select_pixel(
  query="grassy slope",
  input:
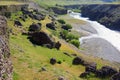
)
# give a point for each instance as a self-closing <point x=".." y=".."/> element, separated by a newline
<point x="28" y="59"/>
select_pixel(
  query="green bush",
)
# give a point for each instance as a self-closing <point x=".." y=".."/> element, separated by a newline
<point x="64" y="34"/>
<point x="75" y="43"/>
<point x="67" y="27"/>
<point x="61" y="21"/>
<point x="71" y="36"/>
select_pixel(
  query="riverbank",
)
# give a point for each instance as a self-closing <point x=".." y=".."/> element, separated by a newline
<point x="97" y="41"/>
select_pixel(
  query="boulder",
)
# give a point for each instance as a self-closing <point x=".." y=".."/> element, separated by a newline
<point x="57" y="45"/>
<point x="53" y="61"/>
<point x="84" y="74"/>
<point x="91" y="67"/>
<point x="41" y="38"/>
<point x="39" y="17"/>
<point x="50" y="25"/>
<point x="115" y="76"/>
<point x="35" y="27"/>
<point x="17" y="23"/>
<point x="105" y="71"/>
<point x="77" y="61"/>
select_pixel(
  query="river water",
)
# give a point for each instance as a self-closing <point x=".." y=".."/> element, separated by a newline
<point x="111" y="40"/>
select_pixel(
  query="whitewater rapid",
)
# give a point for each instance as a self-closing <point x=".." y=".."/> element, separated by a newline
<point x="112" y="37"/>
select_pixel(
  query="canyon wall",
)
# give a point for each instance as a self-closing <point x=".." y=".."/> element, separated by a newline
<point x="106" y="14"/>
<point x="5" y="63"/>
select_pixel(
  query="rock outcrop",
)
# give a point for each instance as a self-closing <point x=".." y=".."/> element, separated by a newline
<point x="5" y="63"/>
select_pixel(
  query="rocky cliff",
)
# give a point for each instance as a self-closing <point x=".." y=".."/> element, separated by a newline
<point x="5" y="63"/>
<point x="106" y="14"/>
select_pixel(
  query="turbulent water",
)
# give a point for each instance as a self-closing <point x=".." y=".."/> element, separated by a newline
<point x="108" y="35"/>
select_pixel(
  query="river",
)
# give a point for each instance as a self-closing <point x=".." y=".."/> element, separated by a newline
<point x="105" y="43"/>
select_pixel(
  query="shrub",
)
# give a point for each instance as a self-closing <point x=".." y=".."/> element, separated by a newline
<point x="71" y="36"/>
<point x="61" y="21"/>
<point x="64" y="34"/>
<point x="67" y="27"/>
<point x="75" y="43"/>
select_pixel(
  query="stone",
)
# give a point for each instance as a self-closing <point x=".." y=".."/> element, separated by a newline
<point x="91" y="67"/>
<point x="53" y="61"/>
<point x="41" y="38"/>
<point x="84" y="74"/>
<point x="17" y="23"/>
<point x="77" y="61"/>
<point x="57" y="45"/>
<point x="61" y="78"/>
<point x="43" y="69"/>
<point x="50" y="25"/>
<point x="35" y="27"/>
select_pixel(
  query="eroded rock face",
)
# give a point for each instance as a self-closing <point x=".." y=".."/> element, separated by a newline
<point x="5" y="63"/>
